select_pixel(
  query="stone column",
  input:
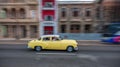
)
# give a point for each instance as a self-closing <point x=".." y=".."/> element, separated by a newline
<point x="82" y="29"/>
<point x="10" y="31"/>
<point x="27" y="12"/>
<point x="28" y="31"/>
<point x="17" y="13"/>
<point x="1" y="32"/>
<point x="68" y="27"/>
<point x="18" y="35"/>
<point x="37" y="34"/>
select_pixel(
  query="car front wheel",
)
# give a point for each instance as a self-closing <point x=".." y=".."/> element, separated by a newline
<point x="70" y="49"/>
<point x="38" y="48"/>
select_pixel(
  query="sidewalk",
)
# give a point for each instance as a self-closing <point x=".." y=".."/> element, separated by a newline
<point x="25" y="41"/>
<point x="13" y="41"/>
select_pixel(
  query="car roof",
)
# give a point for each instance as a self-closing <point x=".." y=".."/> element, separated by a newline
<point x="50" y="36"/>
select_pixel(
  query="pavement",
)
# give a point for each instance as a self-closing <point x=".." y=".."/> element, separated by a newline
<point x="25" y="41"/>
<point x="13" y="41"/>
<point x="80" y="42"/>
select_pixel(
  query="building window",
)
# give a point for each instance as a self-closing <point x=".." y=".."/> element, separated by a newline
<point x="22" y="13"/>
<point x="98" y="12"/>
<point x="63" y="28"/>
<point x="75" y="28"/>
<point x="13" y="13"/>
<point x="33" y="14"/>
<point x="33" y="31"/>
<point x="24" y="31"/>
<point x="63" y="12"/>
<point x="3" y="13"/>
<point x="48" y="18"/>
<point x="75" y="12"/>
<point x="87" y="28"/>
<point x="115" y="13"/>
<point x="88" y="12"/>
<point x="48" y="4"/>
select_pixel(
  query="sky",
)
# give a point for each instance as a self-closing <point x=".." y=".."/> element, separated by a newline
<point x="76" y="0"/>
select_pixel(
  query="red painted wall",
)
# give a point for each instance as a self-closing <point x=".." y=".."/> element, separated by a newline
<point x="49" y="28"/>
<point x="48" y="12"/>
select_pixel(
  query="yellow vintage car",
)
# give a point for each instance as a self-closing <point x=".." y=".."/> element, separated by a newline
<point x="53" y="42"/>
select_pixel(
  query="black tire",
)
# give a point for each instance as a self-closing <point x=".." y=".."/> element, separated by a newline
<point x="70" y="49"/>
<point x="38" y="48"/>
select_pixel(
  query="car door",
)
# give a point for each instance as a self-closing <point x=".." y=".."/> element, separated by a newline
<point x="50" y="44"/>
<point x="46" y="41"/>
<point x="56" y="43"/>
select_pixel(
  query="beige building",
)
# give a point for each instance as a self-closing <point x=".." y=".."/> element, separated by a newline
<point x="19" y="18"/>
<point x="76" y="17"/>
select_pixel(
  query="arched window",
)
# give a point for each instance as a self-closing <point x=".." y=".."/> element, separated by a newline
<point x="22" y="13"/>
<point x="13" y="13"/>
<point x="88" y="12"/>
<point x="63" y="12"/>
<point x="75" y="12"/>
<point x="3" y="13"/>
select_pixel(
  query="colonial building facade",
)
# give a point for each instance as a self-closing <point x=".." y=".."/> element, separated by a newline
<point x="76" y="17"/>
<point x="20" y="18"/>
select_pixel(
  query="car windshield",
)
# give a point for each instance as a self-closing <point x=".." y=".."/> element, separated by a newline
<point x="39" y="38"/>
<point x="117" y="33"/>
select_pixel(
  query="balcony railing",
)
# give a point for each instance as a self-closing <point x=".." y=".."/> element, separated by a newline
<point x="31" y="1"/>
<point x="18" y="20"/>
<point x="10" y="1"/>
<point x="4" y="1"/>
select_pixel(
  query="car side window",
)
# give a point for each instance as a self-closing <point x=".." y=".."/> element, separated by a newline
<point x="46" y="39"/>
<point x="39" y="38"/>
<point x="55" y="39"/>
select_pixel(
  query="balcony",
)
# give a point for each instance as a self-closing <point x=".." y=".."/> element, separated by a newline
<point x="48" y="7"/>
<point x="18" y="20"/>
<point x="31" y="2"/>
<point x="9" y="2"/>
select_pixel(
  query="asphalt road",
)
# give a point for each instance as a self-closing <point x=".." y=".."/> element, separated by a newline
<point x="87" y="56"/>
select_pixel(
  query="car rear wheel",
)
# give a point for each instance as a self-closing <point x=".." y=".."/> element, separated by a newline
<point x="38" y="48"/>
<point x="70" y="49"/>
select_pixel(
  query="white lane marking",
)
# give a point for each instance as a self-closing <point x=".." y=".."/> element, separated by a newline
<point x="70" y="54"/>
<point x="91" y="57"/>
